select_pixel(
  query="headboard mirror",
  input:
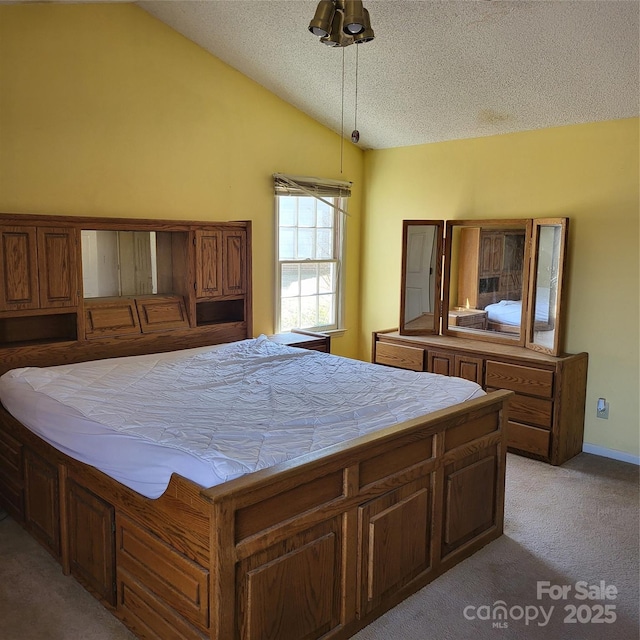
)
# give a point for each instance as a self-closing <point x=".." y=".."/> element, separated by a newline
<point x="501" y="280"/>
<point x="125" y="263"/>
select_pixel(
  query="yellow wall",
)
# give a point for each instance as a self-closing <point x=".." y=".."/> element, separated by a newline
<point x="106" y="111"/>
<point x="588" y="173"/>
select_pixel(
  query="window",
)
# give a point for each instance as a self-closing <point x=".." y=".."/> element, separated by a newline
<point x="309" y="236"/>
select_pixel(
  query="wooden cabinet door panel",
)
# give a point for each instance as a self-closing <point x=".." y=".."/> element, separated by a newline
<point x="57" y="266"/>
<point x="469" y="500"/>
<point x="469" y="368"/>
<point x="42" y="508"/>
<point x="442" y="363"/>
<point x="113" y="317"/>
<point x="235" y="262"/>
<point x="300" y="574"/>
<point x="160" y="313"/>
<point x="18" y="268"/>
<point x="486" y="255"/>
<point x="491" y="251"/>
<point x="395" y="540"/>
<point x="11" y="476"/>
<point x="208" y="263"/>
<point x="92" y="541"/>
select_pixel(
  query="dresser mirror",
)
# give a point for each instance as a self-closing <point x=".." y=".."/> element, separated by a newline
<point x="549" y="246"/>
<point x="422" y="274"/>
<point x="125" y="263"/>
<point x="501" y="281"/>
<point x="487" y="283"/>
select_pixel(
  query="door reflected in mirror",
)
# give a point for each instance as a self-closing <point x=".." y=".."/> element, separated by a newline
<point x="421" y="274"/>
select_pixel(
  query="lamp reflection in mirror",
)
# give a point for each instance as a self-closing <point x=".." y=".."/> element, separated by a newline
<point x="340" y="23"/>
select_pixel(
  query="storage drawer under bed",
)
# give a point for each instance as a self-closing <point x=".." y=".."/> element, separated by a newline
<point x="145" y="564"/>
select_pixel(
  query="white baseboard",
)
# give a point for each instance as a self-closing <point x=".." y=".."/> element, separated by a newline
<point x="610" y="453"/>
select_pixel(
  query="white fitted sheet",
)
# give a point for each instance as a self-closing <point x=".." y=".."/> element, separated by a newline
<point x="510" y="311"/>
<point x="215" y="413"/>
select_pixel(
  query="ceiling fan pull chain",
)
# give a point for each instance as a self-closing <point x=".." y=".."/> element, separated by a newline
<point x="355" y="134"/>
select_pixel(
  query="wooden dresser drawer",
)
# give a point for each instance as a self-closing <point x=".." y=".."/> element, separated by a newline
<point x="400" y="355"/>
<point x="529" y="439"/>
<point x="536" y="411"/>
<point x="527" y="380"/>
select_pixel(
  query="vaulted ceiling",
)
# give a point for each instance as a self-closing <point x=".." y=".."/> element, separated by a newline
<point x="437" y="70"/>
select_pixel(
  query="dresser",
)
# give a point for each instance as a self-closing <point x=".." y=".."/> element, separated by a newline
<point x="546" y="415"/>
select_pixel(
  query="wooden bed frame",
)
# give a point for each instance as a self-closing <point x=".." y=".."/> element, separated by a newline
<point x="316" y="547"/>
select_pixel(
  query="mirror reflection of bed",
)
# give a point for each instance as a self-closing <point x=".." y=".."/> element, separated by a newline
<point x="491" y="279"/>
<point x="490" y="275"/>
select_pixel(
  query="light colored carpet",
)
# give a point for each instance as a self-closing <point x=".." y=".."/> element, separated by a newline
<point x="578" y="522"/>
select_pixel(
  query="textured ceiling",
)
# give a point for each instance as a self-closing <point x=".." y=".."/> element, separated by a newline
<point x="436" y="70"/>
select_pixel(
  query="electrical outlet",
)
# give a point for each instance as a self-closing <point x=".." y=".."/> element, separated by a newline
<point x="602" y="409"/>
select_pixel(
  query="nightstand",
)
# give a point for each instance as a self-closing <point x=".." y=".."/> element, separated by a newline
<point x="468" y="318"/>
<point x="303" y="340"/>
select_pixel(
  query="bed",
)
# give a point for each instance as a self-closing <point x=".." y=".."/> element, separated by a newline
<point x="314" y="542"/>
<point x="506" y="315"/>
<point x="218" y="412"/>
<point x="290" y="544"/>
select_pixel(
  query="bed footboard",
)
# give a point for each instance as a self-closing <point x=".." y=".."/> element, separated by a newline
<point x="323" y="547"/>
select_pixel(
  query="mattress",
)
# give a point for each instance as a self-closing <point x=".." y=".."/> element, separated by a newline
<point x="510" y="311"/>
<point x="506" y="312"/>
<point x="215" y="413"/>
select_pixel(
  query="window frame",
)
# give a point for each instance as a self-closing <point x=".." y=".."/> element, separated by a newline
<point x="338" y="203"/>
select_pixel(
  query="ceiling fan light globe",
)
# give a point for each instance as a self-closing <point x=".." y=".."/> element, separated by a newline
<point x="353" y="28"/>
<point x="320" y="25"/>
<point x="329" y="43"/>
<point x="317" y="31"/>
<point x="354" y="19"/>
<point x="366" y="36"/>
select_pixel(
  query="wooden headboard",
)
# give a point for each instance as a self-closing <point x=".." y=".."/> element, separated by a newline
<point x="189" y="286"/>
